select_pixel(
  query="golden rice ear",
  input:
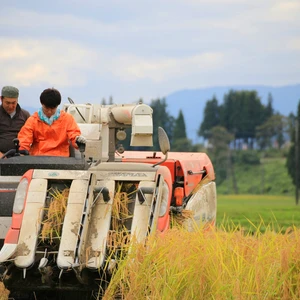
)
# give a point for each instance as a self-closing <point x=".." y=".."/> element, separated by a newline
<point x="119" y="236"/>
<point x="54" y="215"/>
<point x="179" y="218"/>
<point x="120" y="209"/>
<point x="4" y="293"/>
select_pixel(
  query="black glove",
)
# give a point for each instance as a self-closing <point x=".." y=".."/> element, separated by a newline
<point x="80" y="139"/>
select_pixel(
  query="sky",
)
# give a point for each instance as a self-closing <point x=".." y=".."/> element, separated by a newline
<point x="128" y="50"/>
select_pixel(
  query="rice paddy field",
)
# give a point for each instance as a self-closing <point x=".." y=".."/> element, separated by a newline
<point x="258" y="212"/>
<point x="253" y="252"/>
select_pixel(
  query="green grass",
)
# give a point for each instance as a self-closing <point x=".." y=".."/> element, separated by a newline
<point x="269" y="177"/>
<point x="257" y="212"/>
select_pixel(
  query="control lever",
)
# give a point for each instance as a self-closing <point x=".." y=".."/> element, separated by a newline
<point x="18" y="151"/>
<point x="81" y="147"/>
<point x="17" y="146"/>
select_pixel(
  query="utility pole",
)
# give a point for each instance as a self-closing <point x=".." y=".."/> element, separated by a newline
<point x="297" y="159"/>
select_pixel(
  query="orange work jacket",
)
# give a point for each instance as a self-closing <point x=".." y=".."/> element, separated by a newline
<point x="40" y="138"/>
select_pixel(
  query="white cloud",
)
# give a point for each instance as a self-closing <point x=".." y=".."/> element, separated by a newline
<point x="132" y="68"/>
<point x="30" y="62"/>
<point x="65" y="63"/>
<point x="135" y="46"/>
<point x="286" y="11"/>
<point x="294" y="44"/>
<point x="55" y="24"/>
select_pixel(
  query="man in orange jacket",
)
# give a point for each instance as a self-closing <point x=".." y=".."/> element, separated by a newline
<point x="49" y="131"/>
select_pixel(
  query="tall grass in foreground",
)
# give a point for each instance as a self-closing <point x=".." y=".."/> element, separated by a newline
<point x="215" y="264"/>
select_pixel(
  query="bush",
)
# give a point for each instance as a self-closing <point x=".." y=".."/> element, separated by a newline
<point x="274" y="153"/>
<point x="250" y="157"/>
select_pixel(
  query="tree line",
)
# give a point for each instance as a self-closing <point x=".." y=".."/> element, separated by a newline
<point x="241" y="118"/>
<point x="241" y="121"/>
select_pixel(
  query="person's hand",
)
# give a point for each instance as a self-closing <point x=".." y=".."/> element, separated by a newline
<point x="81" y="139"/>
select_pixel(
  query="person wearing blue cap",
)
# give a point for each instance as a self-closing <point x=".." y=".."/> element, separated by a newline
<point x="12" y="118"/>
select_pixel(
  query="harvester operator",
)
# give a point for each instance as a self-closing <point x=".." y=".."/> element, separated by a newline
<point x="49" y="131"/>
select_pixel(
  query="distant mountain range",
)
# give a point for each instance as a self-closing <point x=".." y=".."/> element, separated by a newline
<point x="192" y="102"/>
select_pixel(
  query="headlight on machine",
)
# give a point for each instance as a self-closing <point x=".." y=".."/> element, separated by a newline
<point x="20" y="196"/>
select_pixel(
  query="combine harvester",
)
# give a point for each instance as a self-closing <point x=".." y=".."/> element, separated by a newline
<point x="63" y="232"/>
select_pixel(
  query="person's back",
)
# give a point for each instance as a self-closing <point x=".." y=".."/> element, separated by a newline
<point x="12" y="118"/>
<point x="50" y="131"/>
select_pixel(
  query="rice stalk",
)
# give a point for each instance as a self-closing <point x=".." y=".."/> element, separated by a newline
<point x="120" y="207"/>
<point x="119" y="236"/>
<point x="4" y="293"/>
<point x="217" y="264"/>
<point x="55" y="214"/>
<point x="178" y="219"/>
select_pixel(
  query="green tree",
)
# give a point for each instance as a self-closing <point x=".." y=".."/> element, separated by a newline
<point x="269" y="108"/>
<point x="241" y="113"/>
<point x="180" y="142"/>
<point x="179" y="131"/>
<point x="211" y="117"/>
<point x="273" y="128"/>
<point x="219" y="152"/>
<point x="291" y="162"/>
<point x="291" y="120"/>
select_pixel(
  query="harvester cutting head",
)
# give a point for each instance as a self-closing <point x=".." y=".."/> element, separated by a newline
<point x="69" y="225"/>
